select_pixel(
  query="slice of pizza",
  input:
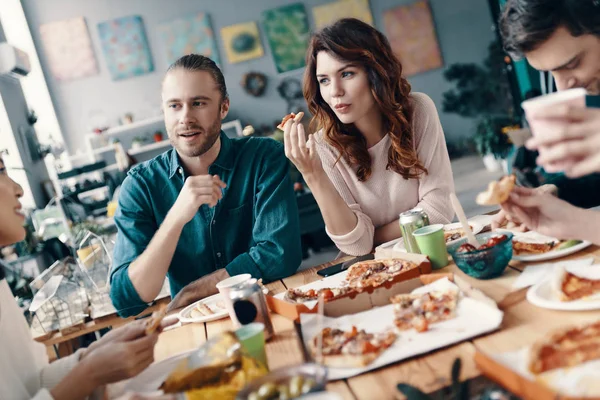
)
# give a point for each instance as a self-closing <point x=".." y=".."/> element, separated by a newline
<point x="532" y="248"/>
<point x="295" y="117"/>
<point x="374" y="273"/>
<point x="351" y="349"/>
<point x="153" y="322"/>
<point x="454" y="234"/>
<point x="572" y="287"/>
<point x="329" y="294"/>
<point x="201" y="310"/>
<point x="566" y="347"/>
<point x="497" y="191"/>
<point x="418" y="311"/>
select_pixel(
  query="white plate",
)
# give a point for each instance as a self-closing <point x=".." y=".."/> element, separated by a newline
<point x="476" y="226"/>
<point x="211" y="302"/>
<point x="551" y="255"/>
<point x="542" y="295"/>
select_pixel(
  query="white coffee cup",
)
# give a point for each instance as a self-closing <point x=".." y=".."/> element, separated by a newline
<point x="224" y="288"/>
<point x="574" y="97"/>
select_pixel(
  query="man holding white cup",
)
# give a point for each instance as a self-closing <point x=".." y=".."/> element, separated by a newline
<point x="563" y="37"/>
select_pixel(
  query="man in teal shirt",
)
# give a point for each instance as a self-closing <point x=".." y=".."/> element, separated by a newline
<point x="210" y="208"/>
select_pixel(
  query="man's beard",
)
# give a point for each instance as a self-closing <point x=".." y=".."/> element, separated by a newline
<point x="210" y="137"/>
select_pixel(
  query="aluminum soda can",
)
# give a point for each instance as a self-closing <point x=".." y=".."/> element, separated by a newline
<point x="249" y="305"/>
<point x="410" y="221"/>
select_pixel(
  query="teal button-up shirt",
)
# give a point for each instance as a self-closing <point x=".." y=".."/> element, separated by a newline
<point x="253" y="229"/>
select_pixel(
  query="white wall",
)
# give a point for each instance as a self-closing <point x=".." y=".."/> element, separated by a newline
<point x="463" y="27"/>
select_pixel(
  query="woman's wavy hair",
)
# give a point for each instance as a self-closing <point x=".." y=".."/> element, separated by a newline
<point x="354" y="41"/>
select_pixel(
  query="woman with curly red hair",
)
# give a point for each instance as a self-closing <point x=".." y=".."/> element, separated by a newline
<point x="379" y="149"/>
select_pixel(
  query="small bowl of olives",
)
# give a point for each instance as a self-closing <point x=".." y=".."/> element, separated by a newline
<point x="286" y="383"/>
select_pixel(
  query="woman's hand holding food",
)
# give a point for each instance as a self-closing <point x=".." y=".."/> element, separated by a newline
<point x="302" y="153"/>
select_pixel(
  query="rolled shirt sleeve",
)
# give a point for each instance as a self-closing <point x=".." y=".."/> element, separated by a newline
<point x="136" y="227"/>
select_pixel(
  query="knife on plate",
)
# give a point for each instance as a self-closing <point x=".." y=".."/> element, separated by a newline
<point x="337" y="268"/>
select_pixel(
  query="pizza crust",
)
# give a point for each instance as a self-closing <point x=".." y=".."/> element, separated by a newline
<point x="374" y="273"/>
<point x="497" y="191"/>
<point x="299" y="296"/>
<point x="154" y="321"/>
<point x="295" y="117"/>
<point x="201" y="310"/>
<point x="343" y="346"/>
<point x="349" y="360"/>
<point x="570" y="287"/>
<point x="419" y="310"/>
<point x="566" y="347"/>
<point x="532" y="248"/>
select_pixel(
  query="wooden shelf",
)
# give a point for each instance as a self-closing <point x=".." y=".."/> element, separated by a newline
<point x="149" y="147"/>
<point x="131" y="127"/>
<point x="112" y="167"/>
<point x="104" y="149"/>
<point x="78" y="156"/>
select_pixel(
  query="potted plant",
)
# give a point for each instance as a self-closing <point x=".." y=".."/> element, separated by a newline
<point x="137" y="142"/>
<point x="492" y="142"/>
<point x="483" y="93"/>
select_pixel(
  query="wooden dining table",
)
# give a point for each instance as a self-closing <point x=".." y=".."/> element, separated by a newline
<point x="523" y="323"/>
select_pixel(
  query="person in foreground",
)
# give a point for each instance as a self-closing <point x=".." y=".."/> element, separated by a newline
<point x="379" y="149"/>
<point x="562" y="37"/>
<point x="209" y="208"/>
<point x="24" y="369"/>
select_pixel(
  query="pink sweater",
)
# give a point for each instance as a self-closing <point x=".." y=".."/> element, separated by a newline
<point x="386" y="194"/>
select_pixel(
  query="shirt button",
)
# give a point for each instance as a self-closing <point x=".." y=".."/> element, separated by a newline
<point x="219" y="255"/>
<point x="214" y="221"/>
<point x="180" y="170"/>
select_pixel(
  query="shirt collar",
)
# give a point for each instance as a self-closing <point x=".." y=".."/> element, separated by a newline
<point x="225" y="159"/>
<point x="175" y="165"/>
<point x="2" y="271"/>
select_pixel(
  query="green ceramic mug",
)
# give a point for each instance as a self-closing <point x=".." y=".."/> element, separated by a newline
<point x="431" y="242"/>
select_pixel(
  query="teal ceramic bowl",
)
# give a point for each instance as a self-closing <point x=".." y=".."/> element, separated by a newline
<point x="485" y="263"/>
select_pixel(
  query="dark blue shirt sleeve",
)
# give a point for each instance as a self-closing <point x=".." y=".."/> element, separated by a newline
<point x="276" y="231"/>
<point x="136" y="227"/>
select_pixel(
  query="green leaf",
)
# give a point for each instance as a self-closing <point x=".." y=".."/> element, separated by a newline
<point x="456" y="377"/>
<point x="463" y="394"/>
<point x="412" y="393"/>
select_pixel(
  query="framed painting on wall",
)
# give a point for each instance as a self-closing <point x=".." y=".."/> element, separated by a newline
<point x="242" y="42"/>
<point x="69" y="49"/>
<point x="287" y="32"/>
<point x="189" y="35"/>
<point x="329" y="13"/>
<point x="412" y="35"/>
<point x="125" y="47"/>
